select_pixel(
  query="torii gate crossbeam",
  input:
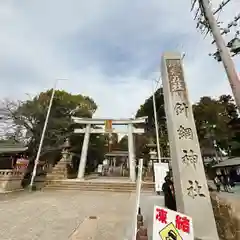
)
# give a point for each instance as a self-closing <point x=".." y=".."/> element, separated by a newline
<point x="88" y="130"/>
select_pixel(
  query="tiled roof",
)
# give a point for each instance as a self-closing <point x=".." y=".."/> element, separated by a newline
<point x="12" y="148"/>
<point x="235" y="161"/>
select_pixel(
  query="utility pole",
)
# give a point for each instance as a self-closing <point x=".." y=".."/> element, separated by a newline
<point x="228" y="63"/>
<point x="156" y="125"/>
<point x="42" y="137"/>
<point x="138" y="196"/>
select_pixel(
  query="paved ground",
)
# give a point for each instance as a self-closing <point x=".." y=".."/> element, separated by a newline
<point x="56" y="215"/>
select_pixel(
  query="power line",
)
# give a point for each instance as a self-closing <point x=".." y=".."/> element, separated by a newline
<point x="229" y="26"/>
<point x="207" y="21"/>
<point x="203" y="25"/>
<point x="221" y="6"/>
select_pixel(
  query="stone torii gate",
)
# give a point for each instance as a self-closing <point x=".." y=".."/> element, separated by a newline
<point x="109" y="122"/>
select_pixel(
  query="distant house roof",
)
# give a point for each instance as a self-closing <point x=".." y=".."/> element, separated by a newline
<point x="230" y="162"/>
<point x="117" y="154"/>
<point x="12" y="148"/>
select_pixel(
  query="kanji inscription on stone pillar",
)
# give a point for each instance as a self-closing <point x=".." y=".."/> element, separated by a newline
<point x="190" y="182"/>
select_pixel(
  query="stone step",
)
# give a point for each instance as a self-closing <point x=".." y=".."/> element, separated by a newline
<point x="94" y="187"/>
<point x="95" y="183"/>
<point x="102" y="186"/>
<point x="148" y="180"/>
<point x="60" y="188"/>
<point x="97" y="186"/>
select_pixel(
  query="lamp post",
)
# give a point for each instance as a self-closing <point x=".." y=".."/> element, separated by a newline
<point x="42" y="137"/>
<point x="138" y="196"/>
<point x="156" y="125"/>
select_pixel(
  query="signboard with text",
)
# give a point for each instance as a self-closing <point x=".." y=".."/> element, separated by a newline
<point x="171" y="225"/>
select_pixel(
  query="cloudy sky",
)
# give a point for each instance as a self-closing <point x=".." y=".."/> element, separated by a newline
<point x="107" y="49"/>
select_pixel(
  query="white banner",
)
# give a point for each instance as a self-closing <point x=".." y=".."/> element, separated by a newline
<point x="100" y="168"/>
<point x="168" y="224"/>
<point x="160" y="172"/>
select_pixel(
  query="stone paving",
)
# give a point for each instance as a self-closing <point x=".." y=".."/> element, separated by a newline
<point x="56" y="215"/>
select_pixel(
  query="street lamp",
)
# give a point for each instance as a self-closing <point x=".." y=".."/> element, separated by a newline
<point x="42" y="136"/>
<point x="156" y="123"/>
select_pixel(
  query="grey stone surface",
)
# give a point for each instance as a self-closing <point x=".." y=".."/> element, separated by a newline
<point x="191" y="189"/>
<point x="56" y="215"/>
<point x="147" y="205"/>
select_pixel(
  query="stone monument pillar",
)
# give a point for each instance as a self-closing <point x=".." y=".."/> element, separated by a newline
<point x="131" y="155"/>
<point x="83" y="159"/>
<point x="190" y="182"/>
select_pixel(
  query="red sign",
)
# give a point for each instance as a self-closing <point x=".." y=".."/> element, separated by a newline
<point x="168" y="224"/>
<point x="22" y="163"/>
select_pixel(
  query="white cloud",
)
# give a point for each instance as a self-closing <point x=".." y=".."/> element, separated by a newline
<point x="107" y="49"/>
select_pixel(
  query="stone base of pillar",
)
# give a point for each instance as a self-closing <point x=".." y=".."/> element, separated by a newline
<point x="10" y="180"/>
<point x="142" y="232"/>
<point x="59" y="171"/>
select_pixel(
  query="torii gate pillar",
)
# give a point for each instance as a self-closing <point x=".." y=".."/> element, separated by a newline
<point x="83" y="159"/>
<point x="131" y="153"/>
